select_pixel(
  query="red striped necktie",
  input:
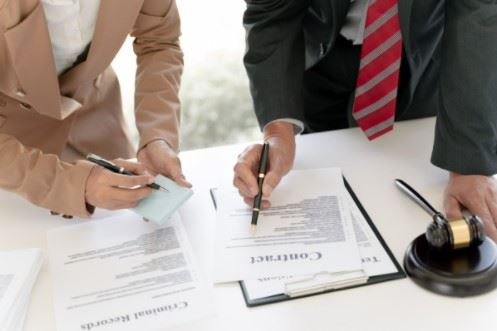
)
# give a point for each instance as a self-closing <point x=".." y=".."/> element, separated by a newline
<point x="377" y="82"/>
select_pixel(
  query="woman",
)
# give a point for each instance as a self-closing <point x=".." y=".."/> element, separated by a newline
<point x="57" y="89"/>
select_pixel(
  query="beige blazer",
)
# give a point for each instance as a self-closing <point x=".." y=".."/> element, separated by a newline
<point x="41" y="113"/>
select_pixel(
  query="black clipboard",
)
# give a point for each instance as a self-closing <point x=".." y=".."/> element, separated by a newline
<point x="372" y="280"/>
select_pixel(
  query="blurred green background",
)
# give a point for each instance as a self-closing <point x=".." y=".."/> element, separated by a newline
<point x="216" y="104"/>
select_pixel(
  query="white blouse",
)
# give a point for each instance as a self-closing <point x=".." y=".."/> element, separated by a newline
<point x="71" y="24"/>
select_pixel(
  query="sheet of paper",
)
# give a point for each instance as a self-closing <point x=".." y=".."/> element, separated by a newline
<point x="124" y="274"/>
<point x="18" y="312"/>
<point x="374" y="257"/>
<point x="18" y="272"/>
<point x="308" y="229"/>
<point x="160" y="205"/>
<point x="375" y="260"/>
<point x="19" y="324"/>
<point x="5" y="285"/>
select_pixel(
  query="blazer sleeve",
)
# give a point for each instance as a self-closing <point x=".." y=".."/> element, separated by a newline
<point x="159" y="69"/>
<point x="43" y="179"/>
<point x="275" y="57"/>
<point x="466" y="129"/>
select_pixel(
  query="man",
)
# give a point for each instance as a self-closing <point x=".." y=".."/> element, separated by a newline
<point x="57" y="89"/>
<point x="308" y="71"/>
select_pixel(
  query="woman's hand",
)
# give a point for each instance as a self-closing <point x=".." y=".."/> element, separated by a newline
<point x="108" y="190"/>
<point x="159" y="158"/>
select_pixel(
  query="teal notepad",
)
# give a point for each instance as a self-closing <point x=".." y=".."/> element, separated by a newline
<point x="159" y="206"/>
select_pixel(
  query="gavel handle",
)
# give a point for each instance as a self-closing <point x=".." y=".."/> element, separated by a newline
<point x="416" y="197"/>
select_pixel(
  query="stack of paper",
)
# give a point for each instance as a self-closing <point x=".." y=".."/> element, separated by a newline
<point x="18" y="272"/>
<point x="125" y="274"/>
<point x="312" y="239"/>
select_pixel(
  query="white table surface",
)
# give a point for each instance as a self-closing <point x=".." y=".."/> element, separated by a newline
<point x="370" y="168"/>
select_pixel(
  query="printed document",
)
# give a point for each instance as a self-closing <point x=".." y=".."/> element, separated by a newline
<point x="18" y="272"/>
<point x="122" y="273"/>
<point x="307" y="230"/>
<point x="375" y="261"/>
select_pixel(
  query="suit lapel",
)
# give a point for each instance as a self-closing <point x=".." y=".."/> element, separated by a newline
<point x="339" y="9"/>
<point x="322" y="25"/>
<point x="30" y="50"/>
<point x="114" y="22"/>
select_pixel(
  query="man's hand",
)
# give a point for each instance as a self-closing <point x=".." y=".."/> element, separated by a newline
<point x="159" y="158"/>
<point x="108" y="190"/>
<point x="476" y="193"/>
<point x="281" y="139"/>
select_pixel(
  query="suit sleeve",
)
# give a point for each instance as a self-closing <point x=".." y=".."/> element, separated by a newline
<point x="466" y="129"/>
<point x="275" y="57"/>
<point x="43" y="179"/>
<point x="159" y="69"/>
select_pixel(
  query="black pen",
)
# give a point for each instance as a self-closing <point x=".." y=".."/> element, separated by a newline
<point x="120" y="170"/>
<point x="260" y="180"/>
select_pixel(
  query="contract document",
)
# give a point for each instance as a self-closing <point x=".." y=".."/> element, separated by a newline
<point x="374" y="258"/>
<point x="308" y="230"/>
<point x="122" y="273"/>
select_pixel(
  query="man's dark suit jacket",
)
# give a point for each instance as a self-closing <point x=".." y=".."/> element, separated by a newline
<point x="450" y="48"/>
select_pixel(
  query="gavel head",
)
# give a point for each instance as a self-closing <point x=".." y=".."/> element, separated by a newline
<point x="455" y="234"/>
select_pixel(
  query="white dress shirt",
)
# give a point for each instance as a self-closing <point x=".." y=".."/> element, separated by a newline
<point x="71" y="24"/>
<point x="353" y="30"/>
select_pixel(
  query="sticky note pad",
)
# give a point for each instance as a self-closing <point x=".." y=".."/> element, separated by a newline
<point x="160" y="205"/>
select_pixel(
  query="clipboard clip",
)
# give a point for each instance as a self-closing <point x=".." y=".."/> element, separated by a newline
<point x="325" y="281"/>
